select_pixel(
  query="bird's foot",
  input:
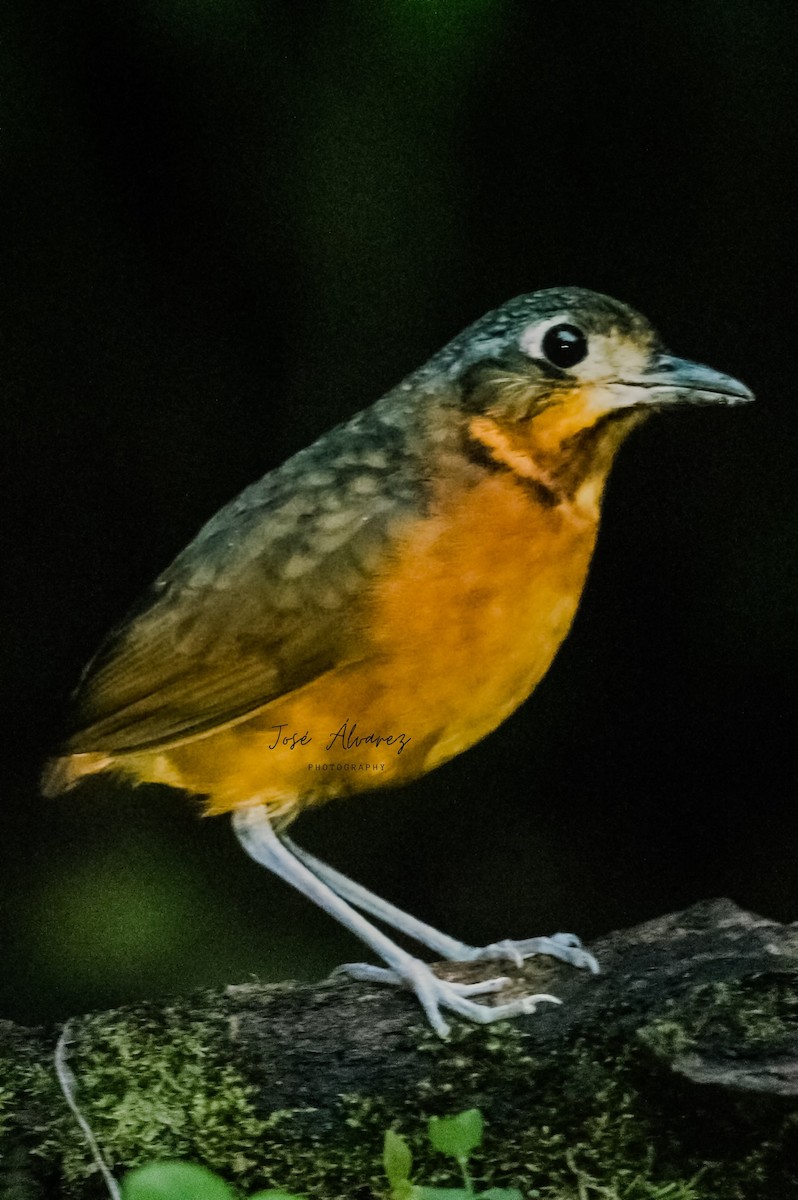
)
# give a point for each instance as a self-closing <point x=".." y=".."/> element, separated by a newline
<point x="434" y="993"/>
<point x="565" y="946"/>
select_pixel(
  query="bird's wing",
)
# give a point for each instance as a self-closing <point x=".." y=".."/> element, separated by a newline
<point x="262" y="602"/>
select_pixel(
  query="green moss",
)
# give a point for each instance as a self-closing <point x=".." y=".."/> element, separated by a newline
<point x="595" y="1119"/>
<point x="755" y="1018"/>
<point x="159" y="1084"/>
<point x="599" y="1117"/>
<point x="29" y="1096"/>
<point x="552" y="1120"/>
<point x="579" y="1123"/>
<point x="302" y="1155"/>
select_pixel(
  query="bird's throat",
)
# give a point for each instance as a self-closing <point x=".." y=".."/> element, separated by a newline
<point x="565" y="461"/>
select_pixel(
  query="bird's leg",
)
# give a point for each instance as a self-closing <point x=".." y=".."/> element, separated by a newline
<point x="564" y="946"/>
<point x="255" y="833"/>
<point x="375" y="906"/>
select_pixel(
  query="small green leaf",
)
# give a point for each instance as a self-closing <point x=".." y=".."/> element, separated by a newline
<point x="275" y="1194"/>
<point x="500" y="1194"/>
<point x="174" y="1181"/>
<point x="398" y="1163"/>
<point x="457" y="1136"/>
<point x="428" y="1193"/>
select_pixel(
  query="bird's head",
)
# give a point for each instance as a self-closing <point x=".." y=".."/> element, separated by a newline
<point x="550" y="384"/>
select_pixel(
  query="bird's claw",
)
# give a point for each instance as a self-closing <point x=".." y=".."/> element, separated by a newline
<point x="565" y="946"/>
<point x="434" y="993"/>
<point x="368" y="973"/>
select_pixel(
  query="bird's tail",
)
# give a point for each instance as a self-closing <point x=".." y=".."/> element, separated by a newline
<point x="62" y="773"/>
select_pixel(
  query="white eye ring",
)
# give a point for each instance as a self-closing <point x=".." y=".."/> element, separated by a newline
<point x="531" y="340"/>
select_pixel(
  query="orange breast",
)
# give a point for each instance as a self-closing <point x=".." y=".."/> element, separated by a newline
<point x="457" y="630"/>
<point x="481" y="598"/>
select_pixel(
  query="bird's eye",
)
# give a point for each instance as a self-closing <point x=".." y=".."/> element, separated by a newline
<point x="564" y="345"/>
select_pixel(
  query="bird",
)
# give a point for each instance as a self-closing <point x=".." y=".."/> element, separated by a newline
<point x="382" y="601"/>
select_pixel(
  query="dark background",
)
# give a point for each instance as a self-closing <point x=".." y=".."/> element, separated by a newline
<point x="227" y="226"/>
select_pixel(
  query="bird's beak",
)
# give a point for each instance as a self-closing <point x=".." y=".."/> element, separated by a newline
<point x="668" y="380"/>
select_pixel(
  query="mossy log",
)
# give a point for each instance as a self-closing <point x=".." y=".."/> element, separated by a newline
<point x="672" y="1074"/>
